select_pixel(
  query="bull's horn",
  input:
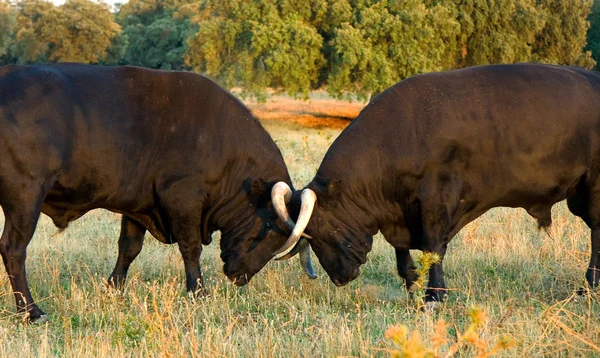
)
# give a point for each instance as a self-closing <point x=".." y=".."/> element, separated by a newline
<point x="303" y="248"/>
<point x="306" y="261"/>
<point x="308" y="200"/>
<point x="280" y="195"/>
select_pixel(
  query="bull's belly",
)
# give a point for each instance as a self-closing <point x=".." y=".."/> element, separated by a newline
<point x="62" y="213"/>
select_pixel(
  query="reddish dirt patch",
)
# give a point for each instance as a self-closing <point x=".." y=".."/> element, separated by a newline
<point x="315" y="113"/>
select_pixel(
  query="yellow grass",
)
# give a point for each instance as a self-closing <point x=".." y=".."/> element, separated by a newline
<point x="522" y="278"/>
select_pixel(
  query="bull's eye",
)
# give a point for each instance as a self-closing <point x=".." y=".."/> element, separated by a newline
<point x="268" y="225"/>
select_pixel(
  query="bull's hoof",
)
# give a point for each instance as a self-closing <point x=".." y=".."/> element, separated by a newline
<point x="412" y="288"/>
<point x="199" y="294"/>
<point x="432" y="306"/>
<point x="39" y="320"/>
<point x="584" y="291"/>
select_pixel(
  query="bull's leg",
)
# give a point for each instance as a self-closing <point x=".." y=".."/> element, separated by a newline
<point x="18" y="230"/>
<point x="436" y="287"/>
<point x="187" y="234"/>
<point x="406" y="269"/>
<point x="190" y="251"/>
<point x="435" y="240"/>
<point x="131" y="241"/>
<point x="585" y="204"/>
<point x="593" y="272"/>
<point x="182" y="204"/>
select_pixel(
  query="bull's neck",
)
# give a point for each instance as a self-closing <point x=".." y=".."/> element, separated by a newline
<point x="371" y="204"/>
<point x="231" y="209"/>
<point x="369" y="200"/>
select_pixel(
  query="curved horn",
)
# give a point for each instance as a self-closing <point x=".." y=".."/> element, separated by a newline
<point x="308" y="200"/>
<point x="280" y="195"/>
<point x="304" y="249"/>
<point x="306" y="261"/>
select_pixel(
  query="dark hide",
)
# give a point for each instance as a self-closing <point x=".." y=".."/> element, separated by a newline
<point x="173" y="152"/>
<point x="436" y="151"/>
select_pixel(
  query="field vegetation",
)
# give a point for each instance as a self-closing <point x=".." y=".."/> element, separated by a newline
<point x="500" y="267"/>
<point x="350" y="48"/>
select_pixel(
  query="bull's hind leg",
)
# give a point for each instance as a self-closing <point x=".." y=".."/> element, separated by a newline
<point x="586" y="205"/>
<point x="131" y="241"/>
<point x="18" y="230"/>
<point x="593" y="272"/>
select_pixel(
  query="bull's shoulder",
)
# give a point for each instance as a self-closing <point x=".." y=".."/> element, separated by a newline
<point x="4" y="70"/>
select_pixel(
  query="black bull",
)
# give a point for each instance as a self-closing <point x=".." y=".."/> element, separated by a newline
<point x="436" y="151"/>
<point x="173" y="152"/>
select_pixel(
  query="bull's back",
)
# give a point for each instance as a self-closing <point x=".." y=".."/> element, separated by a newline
<point x="107" y="133"/>
<point x="513" y="134"/>
<point x="511" y="131"/>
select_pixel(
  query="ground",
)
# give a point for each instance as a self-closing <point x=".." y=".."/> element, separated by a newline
<point x="523" y="278"/>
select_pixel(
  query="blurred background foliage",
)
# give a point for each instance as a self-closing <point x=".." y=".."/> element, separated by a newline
<point x="351" y="48"/>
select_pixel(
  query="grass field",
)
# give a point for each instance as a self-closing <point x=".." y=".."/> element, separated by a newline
<point x="524" y="279"/>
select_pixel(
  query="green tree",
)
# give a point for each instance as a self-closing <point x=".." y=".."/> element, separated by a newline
<point x="156" y="38"/>
<point x="115" y="53"/>
<point x="254" y="45"/>
<point x="563" y="37"/>
<point x="386" y="41"/>
<point x="7" y="23"/>
<point x="497" y="31"/>
<point x="79" y="31"/>
<point x="593" y="34"/>
<point x="29" y="45"/>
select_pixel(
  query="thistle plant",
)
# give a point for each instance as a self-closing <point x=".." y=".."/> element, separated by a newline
<point x="413" y="346"/>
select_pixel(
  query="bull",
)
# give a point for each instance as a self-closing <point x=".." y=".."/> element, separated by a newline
<point x="434" y="152"/>
<point x="173" y="152"/>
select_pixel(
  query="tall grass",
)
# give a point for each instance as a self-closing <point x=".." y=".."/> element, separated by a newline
<point x="522" y="278"/>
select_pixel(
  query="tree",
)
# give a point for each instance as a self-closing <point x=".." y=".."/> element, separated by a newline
<point x="252" y="44"/>
<point x="593" y="34"/>
<point x="7" y="23"/>
<point x="79" y="31"/>
<point x="156" y="38"/>
<point x="388" y="41"/>
<point x="115" y="53"/>
<point x="29" y="45"/>
<point x="497" y="31"/>
<point x="564" y="35"/>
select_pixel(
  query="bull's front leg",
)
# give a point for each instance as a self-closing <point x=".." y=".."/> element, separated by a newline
<point x="436" y="287"/>
<point x="435" y="241"/>
<point x="186" y="231"/>
<point x="191" y="248"/>
<point x="131" y="241"/>
<point x="406" y="269"/>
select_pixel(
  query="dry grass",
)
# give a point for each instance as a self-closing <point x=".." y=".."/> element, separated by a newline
<point x="522" y="278"/>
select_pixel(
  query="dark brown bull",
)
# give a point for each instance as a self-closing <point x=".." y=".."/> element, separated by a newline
<point x="172" y="151"/>
<point x="436" y="151"/>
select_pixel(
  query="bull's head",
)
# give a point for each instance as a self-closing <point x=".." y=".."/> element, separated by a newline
<point x="256" y="238"/>
<point x="340" y="248"/>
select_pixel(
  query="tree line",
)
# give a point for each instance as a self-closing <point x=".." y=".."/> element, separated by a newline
<point x="353" y="48"/>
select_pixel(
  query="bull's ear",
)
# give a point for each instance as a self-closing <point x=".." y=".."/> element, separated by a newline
<point x="328" y="189"/>
<point x="334" y="188"/>
<point x="259" y="191"/>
